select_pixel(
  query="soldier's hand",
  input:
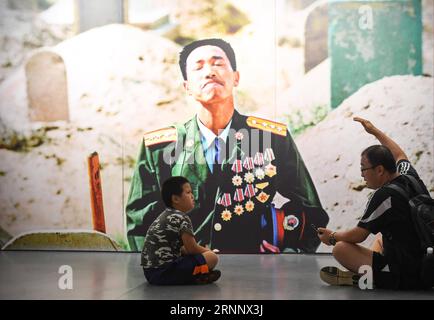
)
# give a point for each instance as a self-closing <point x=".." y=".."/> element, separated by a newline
<point x="267" y="247"/>
<point x="369" y="127"/>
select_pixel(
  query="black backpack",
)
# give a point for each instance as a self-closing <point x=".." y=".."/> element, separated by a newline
<point x="422" y="215"/>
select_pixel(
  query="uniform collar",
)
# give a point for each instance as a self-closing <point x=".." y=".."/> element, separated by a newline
<point x="208" y="137"/>
<point x="191" y="162"/>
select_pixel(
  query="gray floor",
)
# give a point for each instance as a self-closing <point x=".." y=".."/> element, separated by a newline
<point x="102" y="275"/>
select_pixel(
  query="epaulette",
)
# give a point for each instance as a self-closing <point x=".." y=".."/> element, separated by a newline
<point x="160" y="136"/>
<point x="267" y="125"/>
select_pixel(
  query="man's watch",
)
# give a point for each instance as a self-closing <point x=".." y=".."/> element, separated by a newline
<point x="332" y="239"/>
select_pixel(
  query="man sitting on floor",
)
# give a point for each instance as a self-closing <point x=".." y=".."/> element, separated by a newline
<point x="396" y="256"/>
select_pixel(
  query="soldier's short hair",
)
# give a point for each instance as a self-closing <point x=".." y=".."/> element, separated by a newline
<point x="380" y="155"/>
<point x="225" y="46"/>
<point x="172" y="186"/>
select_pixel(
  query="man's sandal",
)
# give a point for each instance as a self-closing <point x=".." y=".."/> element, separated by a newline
<point x="336" y="277"/>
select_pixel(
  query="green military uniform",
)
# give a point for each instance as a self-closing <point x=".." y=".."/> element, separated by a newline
<point x="237" y="206"/>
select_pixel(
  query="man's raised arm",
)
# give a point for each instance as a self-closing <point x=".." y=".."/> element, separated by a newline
<point x="396" y="150"/>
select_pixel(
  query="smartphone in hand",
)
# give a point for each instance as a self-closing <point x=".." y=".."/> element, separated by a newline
<point x="315" y="228"/>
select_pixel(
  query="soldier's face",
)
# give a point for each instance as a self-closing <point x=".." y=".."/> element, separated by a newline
<point x="185" y="201"/>
<point x="210" y="78"/>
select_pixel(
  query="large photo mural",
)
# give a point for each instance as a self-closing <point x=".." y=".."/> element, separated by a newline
<point x="101" y="101"/>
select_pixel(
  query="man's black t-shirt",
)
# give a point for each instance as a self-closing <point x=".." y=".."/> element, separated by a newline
<point x="389" y="213"/>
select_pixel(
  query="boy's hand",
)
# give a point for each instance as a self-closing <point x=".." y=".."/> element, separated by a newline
<point x="369" y="127"/>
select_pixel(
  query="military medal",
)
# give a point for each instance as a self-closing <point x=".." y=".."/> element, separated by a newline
<point x="238" y="210"/>
<point x="226" y="215"/>
<point x="237" y="180"/>
<point x="269" y="154"/>
<point x="290" y="222"/>
<point x="248" y="163"/>
<point x="259" y="173"/>
<point x="249" y="192"/>
<point x="249" y="206"/>
<point x="259" y="159"/>
<point x="225" y="201"/>
<point x="262" y="197"/>
<point x="270" y="170"/>
<point x="249" y="177"/>
<point x="239" y="195"/>
<point x="237" y="167"/>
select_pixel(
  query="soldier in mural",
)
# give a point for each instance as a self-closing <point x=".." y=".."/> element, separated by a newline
<point x="252" y="190"/>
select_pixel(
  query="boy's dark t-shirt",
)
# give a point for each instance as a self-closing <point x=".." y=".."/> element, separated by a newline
<point x="163" y="239"/>
<point x="389" y="213"/>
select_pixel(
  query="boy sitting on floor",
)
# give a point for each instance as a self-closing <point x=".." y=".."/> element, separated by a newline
<point x="170" y="254"/>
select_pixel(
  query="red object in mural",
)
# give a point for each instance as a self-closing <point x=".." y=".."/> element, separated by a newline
<point x="96" y="201"/>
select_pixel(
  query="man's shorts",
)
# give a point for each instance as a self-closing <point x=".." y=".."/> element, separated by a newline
<point x="379" y="262"/>
<point x="385" y="279"/>
<point x="181" y="271"/>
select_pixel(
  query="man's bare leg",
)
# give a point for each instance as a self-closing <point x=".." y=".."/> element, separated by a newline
<point x="352" y="256"/>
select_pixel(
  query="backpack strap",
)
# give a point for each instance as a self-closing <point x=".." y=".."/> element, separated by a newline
<point x="415" y="184"/>
<point x="400" y="190"/>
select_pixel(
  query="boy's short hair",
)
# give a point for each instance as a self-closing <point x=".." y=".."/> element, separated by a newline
<point x="380" y="155"/>
<point x="172" y="186"/>
<point x="225" y="46"/>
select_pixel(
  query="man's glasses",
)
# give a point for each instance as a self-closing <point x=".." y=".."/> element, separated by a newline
<point x="364" y="169"/>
